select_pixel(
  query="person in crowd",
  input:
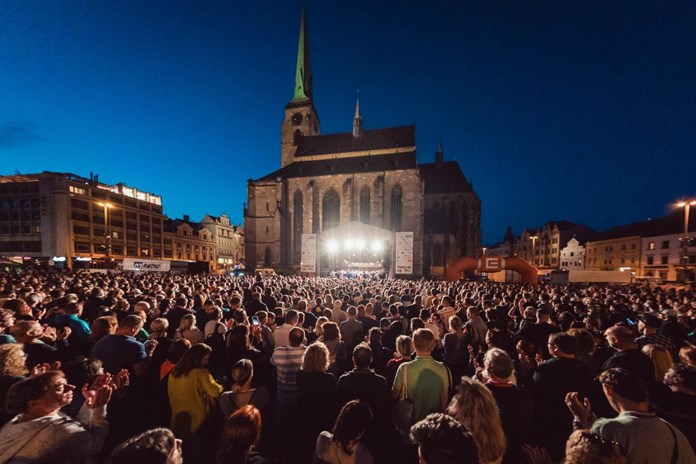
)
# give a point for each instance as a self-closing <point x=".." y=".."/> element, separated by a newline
<point x="475" y="407"/>
<point x="38" y="345"/>
<point x="193" y="395"/>
<point x="175" y="314"/>
<point x="40" y="432"/>
<point x="643" y="437"/>
<point x="154" y="446"/>
<point x="627" y="355"/>
<point x="187" y="329"/>
<point x="679" y="406"/>
<point x="427" y="381"/>
<point x="404" y="352"/>
<point x="100" y="328"/>
<point x="455" y="343"/>
<point x="331" y="338"/>
<point x="174" y="354"/>
<point x="649" y="326"/>
<point x="539" y="332"/>
<point x="288" y="360"/>
<point x="317" y="398"/>
<point x="363" y="383"/>
<point x="7" y="320"/>
<point x="240" y="436"/>
<point x="553" y="379"/>
<point x="343" y="444"/>
<point x="585" y="447"/>
<point x="661" y="359"/>
<point x="242" y="392"/>
<point x="441" y="439"/>
<point x="475" y="326"/>
<point x="514" y="403"/>
<point x="281" y="333"/>
<point x="352" y="331"/>
<point x="122" y="351"/>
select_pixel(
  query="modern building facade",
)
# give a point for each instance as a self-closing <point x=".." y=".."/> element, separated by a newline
<point x="67" y="219"/>
<point x="329" y="185"/>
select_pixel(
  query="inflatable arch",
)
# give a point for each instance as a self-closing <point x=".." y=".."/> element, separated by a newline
<point x="492" y="264"/>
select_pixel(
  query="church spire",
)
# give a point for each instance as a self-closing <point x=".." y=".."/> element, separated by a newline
<point x="303" y="74"/>
<point x="357" y="119"/>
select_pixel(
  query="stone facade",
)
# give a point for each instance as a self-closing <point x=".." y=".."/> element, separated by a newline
<point x="371" y="177"/>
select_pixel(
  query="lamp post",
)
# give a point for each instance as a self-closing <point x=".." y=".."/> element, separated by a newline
<point x="534" y="239"/>
<point x="107" y="223"/>
<point x="687" y="204"/>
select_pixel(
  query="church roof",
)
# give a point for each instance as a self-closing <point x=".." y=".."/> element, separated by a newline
<point x="446" y="177"/>
<point x="391" y="137"/>
<point x="355" y="164"/>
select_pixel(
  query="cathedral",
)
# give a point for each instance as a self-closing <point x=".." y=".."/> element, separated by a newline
<point x="356" y="200"/>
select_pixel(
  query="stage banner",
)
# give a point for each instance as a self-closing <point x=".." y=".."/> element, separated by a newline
<point x="404" y="253"/>
<point x="153" y="265"/>
<point x="309" y="253"/>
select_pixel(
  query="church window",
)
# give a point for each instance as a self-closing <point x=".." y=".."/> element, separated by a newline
<point x="297" y="135"/>
<point x="396" y="207"/>
<point x="268" y="258"/>
<point x="297" y="215"/>
<point x="365" y="205"/>
<point x="332" y="210"/>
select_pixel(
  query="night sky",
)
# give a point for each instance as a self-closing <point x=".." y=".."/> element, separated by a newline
<point x="577" y="110"/>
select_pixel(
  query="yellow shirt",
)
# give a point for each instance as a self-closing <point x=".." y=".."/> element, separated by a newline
<point x="192" y="397"/>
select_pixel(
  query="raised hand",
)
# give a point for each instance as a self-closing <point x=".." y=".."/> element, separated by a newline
<point x="120" y="380"/>
<point x="536" y="455"/>
<point x="39" y="369"/>
<point x="581" y="410"/>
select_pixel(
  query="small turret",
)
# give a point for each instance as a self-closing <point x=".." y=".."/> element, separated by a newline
<point x="357" y="119"/>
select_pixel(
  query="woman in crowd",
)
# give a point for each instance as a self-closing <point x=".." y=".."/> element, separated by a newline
<point x="188" y="330"/>
<point x="585" y="447"/>
<point x="12" y="370"/>
<point x="661" y="359"/>
<point x="318" y="399"/>
<point x="404" y="352"/>
<point x="456" y="353"/>
<point x="193" y="397"/>
<point x="240" y="435"/>
<point x="242" y="393"/>
<point x="475" y="408"/>
<point x="343" y="444"/>
<point x="331" y="338"/>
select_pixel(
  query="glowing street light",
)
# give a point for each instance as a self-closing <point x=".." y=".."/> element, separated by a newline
<point x="534" y="239"/>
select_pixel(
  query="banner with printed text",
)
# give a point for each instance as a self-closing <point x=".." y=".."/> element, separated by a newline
<point x="404" y="253"/>
<point x="308" y="262"/>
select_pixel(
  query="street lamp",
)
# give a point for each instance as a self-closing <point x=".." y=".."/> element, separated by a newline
<point x="107" y="223"/>
<point x="534" y="239"/>
<point x="686" y="204"/>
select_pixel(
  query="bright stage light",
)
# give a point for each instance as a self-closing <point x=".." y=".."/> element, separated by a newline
<point x="348" y="244"/>
<point x="360" y="244"/>
<point x="376" y="246"/>
<point x="332" y="246"/>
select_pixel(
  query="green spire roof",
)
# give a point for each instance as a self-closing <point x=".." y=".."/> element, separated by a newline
<point x="303" y="75"/>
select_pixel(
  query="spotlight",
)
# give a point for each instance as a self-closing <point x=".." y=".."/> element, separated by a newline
<point x="348" y="244"/>
<point x="360" y="244"/>
<point x="332" y="246"/>
<point x="376" y="246"/>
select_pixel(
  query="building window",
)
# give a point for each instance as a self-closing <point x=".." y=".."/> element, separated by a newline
<point x="665" y="244"/>
<point x="332" y="210"/>
<point x="268" y="257"/>
<point x="365" y="205"/>
<point x="396" y="207"/>
<point x="651" y="245"/>
<point x="650" y="260"/>
<point x="665" y="260"/>
<point x="438" y="258"/>
<point x="297" y="227"/>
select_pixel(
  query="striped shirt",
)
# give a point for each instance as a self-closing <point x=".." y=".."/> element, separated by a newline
<point x="287" y="360"/>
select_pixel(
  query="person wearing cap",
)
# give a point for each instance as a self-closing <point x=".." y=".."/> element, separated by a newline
<point x="649" y="326"/>
<point x="642" y="436"/>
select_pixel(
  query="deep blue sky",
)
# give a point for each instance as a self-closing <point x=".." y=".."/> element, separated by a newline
<point x="580" y="110"/>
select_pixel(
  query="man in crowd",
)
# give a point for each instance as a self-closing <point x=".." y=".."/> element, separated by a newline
<point x="628" y="356"/>
<point x="643" y="437"/>
<point x="441" y="439"/>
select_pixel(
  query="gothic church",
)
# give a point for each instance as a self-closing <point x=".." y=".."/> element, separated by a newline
<point x="367" y="181"/>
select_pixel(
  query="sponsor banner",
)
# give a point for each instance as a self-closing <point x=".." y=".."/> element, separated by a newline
<point x="404" y="253"/>
<point x="152" y="265"/>
<point x="308" y="262"/>
<point x="491" y="263"/>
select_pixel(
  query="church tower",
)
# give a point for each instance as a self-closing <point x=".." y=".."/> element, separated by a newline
<point x="300" y="116"/>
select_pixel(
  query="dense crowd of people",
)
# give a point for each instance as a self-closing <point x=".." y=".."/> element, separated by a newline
<point x="160" y="368"/>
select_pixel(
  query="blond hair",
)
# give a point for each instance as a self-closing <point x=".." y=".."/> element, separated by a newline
<point x="316" y="358"/>
<point x="12" y="362"/>
<point x="661" y="359"/>
<point x="475" y="408"/>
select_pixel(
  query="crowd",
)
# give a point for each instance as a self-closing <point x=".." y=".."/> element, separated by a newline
<point x="160" y="368"/>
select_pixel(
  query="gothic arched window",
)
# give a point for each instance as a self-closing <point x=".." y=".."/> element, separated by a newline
<point x="331" y="216"/>
<point x="365" y="205"/>
<point x="297" y="227"/>
<point x="438" y="257"/>
<point x="268" y="258"/>
<point x="296" y="136"/>
<point x="396" y="207"/>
